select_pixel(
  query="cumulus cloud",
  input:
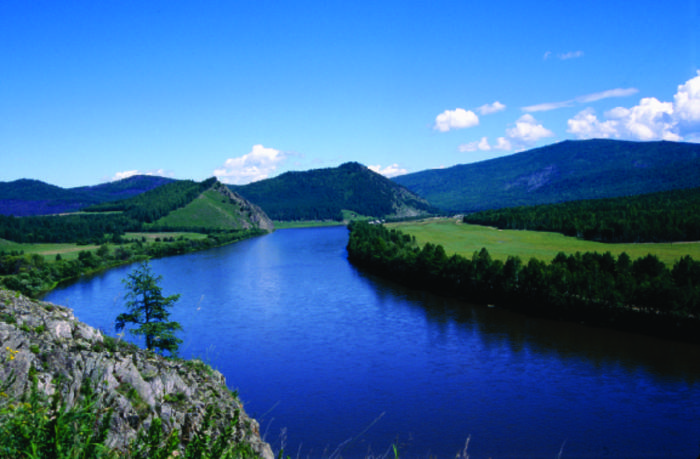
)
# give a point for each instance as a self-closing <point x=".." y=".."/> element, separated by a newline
<point x="488" y="109"/>
<point x="585" y="99"/>
<point x="687" y="105"/>
<point x="458" y="118"/>
<point x="126" y="174"/>
<point x="254" y="166"/>
<point x="389" y="171"/>
<point x="651" y="119"/>
<point x="478" y="145"/>
<point x="525" y="133"/>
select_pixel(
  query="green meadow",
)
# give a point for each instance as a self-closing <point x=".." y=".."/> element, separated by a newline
<point x="70" y="251"/>
<point x="464" y="239"/>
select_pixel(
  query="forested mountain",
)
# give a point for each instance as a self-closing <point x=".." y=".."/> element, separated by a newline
<point x="26" y="197"/>
<point x="206" y="207"/>
<point x="566" y="171"/>
<point x="322" y="194"/>
<point x="665" y="216"/>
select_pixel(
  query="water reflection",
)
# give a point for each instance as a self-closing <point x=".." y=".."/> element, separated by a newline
<point x="498" y="328"/>
<point x="321" y="349"/>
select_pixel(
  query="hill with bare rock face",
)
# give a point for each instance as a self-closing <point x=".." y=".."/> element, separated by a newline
<point x="49" y="357"/>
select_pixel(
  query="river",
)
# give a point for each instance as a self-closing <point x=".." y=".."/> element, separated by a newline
<point x="331" y="359"/>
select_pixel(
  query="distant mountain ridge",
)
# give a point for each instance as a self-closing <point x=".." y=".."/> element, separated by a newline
<point x="566" y="171"/>
<point x="322" y="194"/>
<point x="26" y="197"/>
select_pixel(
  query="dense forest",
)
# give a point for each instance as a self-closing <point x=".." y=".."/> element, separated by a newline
<point x="158" y="202"/>
<point x="322" y="194"/>
<point x="656" y="217"/>
<point x="640" y="295"/>
<point x="566" y="171"/>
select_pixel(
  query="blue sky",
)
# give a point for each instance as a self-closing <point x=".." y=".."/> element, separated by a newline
<point x="94" y="91"/>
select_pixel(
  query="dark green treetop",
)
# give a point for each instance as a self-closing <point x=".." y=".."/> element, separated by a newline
<point x="148" y="310"/>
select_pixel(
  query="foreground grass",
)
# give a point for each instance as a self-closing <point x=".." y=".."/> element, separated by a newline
<point x="464" y="239"/>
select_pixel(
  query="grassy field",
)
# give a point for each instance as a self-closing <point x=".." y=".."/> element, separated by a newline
<point x="464" y="239"/>
<point x="69" y="251"/>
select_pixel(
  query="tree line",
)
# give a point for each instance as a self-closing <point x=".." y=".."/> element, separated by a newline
<point x="322" y="194"/>
<point x="33" y="274"/>
<point x="107" y="222"/>
<point x="641" y="295"/>
<point x="156" y="203"/>
<point x="657" y="217"/>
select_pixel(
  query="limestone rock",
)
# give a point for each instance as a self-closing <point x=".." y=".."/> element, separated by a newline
<point x="65" y="355"/>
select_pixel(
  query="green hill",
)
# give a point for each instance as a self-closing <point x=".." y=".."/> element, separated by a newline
<point x="566" y="171"/>
<point x="322" y="194"/>
<point x="178" y="205"/>
<point x="217" y="208"/>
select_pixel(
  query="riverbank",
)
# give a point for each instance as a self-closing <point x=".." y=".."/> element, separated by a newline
<point x="34" y="276"/>
<point x="643" y="295"/>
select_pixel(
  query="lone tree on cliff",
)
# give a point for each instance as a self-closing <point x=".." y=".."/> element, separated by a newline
<point x="148" y="310"/>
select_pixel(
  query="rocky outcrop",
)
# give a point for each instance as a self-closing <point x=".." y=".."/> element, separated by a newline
<point x="44" y="344"/>
<point x="255" y="216"/>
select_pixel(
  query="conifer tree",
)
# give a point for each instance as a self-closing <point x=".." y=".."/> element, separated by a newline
<point x="148" y="310"/>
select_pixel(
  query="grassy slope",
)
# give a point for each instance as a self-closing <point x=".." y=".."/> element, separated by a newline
<point x="465" y="239"/>
<point x="208" y="210"/>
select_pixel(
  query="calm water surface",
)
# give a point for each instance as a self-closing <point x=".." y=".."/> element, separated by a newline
<point x="326" y="357"/>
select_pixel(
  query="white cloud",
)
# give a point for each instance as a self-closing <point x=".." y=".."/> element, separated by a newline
<point x="547" y="106"/>
<point x="563" y="56"/>
<point x="478" y="145"/>
<point x="587" y="98"/>
<point x="388" y="171"/>
<point x="687" y="104"/>
<point x="488" y="109"/>
<point x="126" y="174"/>
<point x="617" y="92"/>
<point x="585" y="125"/>
<point x="458" y="118"/>
<point x="570" y="55"/>
<point x="254" y="166"/>
<point x="527" y="131"/>
<point x="651" y="119"/>
<point x="503" y="144"/>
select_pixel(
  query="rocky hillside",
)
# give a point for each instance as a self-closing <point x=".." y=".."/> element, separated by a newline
<point x="45" y="345"/>
<point x="220" y="208"/>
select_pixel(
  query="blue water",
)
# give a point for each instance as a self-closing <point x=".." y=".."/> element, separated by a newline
<point x="327" y="357"/>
